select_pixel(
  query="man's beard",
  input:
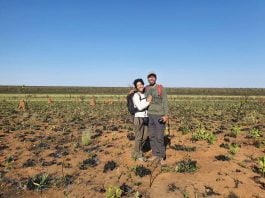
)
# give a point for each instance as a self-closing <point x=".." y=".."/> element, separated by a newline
<point x="152" y="84"/>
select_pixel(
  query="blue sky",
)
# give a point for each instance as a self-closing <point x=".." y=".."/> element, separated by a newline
<point x="205" y="43"/>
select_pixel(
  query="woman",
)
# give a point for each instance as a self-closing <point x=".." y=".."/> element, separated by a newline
<point x="141" y="104"/>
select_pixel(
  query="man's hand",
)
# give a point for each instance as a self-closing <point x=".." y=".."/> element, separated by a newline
<point x="149" y="98"/>
<point x="165" y="118"/>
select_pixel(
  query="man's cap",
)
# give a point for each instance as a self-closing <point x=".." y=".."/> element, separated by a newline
<point x="151" y="74"/>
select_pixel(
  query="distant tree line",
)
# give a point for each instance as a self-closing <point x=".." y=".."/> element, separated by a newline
<point x="124" y="90"/>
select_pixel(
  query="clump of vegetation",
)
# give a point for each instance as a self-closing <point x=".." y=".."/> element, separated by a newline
<point x="167" y="169"/>
<point x="240" y="112"/>
<point x="232" y="195"/>
<point x="235" y="131"/>
<point x="131" y="136"/>
<point x="259" y="143"/>
<point x="39" y="182"/>
<point x="184" y="129"/>
<point x="179" y="147"/>
<point x="86" y="137"/>
<point x="90" y="162"/>
<point x="141" y="171"/>
<point x="29" y="163"/>
<point x="254" y="133"/>
<point x="109" y="166"/>
<point x="64" y="181"/>
<point x="222" y="158"/>
<point x="185" y="194"/>
<point x="126" y="190"/>
<point x="2" y="177"/>
<point x="138" y="195"/>
<point x="224" y="145"/>
<point x="262" y="165"/>
<point x="186" y="166"/>
<point x="202" y="134"/>
<point x="9" y="162"/>
<point x="172" y="187"/>
<point x="233" y="148"/>
<point x="113" y="192"/>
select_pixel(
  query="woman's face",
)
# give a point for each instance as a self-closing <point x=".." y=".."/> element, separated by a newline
<point x="140" y="87"/>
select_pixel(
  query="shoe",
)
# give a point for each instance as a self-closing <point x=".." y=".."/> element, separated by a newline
<point x="153" y="158"/>
<point x="163" y="162"/>
<point x="141" y="159"/>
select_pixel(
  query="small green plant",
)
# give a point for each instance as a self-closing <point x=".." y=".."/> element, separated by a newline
<point x="39" y="182"/>
<point x="222" y="158"/>
<point x="114" y="135"/>
<point x="202" y="134"/>
<point x="186" y="166"/>
<point x="137" y="195"/>
<point x="167" y="169"/>
<point x="42" y="182"/>
<point x="262" y="165"/>
<point x="141" y="171"/>
<point x="233" y="149"/>
<point x="184" y="129"/>
<point x="86" y="137"/>
<point x="9" y="162"/>
<point x="76" y="145"/>
<point x="113" y="192"/>
<point x="254" y="133"/>
<point x="211" y="139"/>
<point x="185" y="194"/>
<point x="235" y="131"/>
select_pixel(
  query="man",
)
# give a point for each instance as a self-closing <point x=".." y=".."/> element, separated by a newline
<point x="158" y="117"/>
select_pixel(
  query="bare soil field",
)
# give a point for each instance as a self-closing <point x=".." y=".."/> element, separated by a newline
<point x="81" y="147"/>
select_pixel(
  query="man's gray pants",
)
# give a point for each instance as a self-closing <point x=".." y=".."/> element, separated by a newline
<point x="156" y="136"/>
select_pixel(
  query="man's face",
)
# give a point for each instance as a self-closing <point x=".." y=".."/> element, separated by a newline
<point x="152" y="80"/>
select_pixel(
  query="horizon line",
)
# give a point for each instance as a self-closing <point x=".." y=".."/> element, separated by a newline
<point x="94" y="86"/>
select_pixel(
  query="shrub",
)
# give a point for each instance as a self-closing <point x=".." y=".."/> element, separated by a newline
<point x="141" y="171"/>
<point x="109" y="166"/>
<point x="39" y="182"/>
<point x="233" y="149"/>
<point x="262" y="165"/>
<point x="254" y="133"/>
<point x="86" y="137"/>
<point x="235" y="131"/>
<point x="222" y="158"/>
<point x="90" y="162"/>
<point x="9" y="162"/>
<point x="113" y="192"/>
<point x="186" y="166"/>
<point x="202" y="134"/>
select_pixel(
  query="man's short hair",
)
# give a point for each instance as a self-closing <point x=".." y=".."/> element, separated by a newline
<point x="151" y="74"/>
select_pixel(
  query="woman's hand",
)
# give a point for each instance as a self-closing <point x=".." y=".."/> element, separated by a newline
<point x="149" y="98"/>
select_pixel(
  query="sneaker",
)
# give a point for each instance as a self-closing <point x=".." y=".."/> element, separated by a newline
<point x="163" y="162"/>
<point x="153" y="158"/>
<point x="141" y="159"/>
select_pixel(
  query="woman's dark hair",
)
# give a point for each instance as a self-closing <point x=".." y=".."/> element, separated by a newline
<point x="138" y="80"/>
